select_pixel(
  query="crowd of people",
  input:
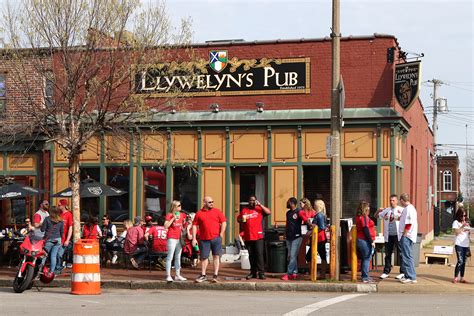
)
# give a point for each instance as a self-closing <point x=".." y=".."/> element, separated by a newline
<point x="196" y="235"/>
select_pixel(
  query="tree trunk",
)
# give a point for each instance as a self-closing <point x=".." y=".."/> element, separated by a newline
<point x="74" y="183"/>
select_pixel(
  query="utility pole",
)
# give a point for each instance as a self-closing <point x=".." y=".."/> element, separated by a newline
<point x="435" y="83"/>
<point x="468" y="191"/>
<point x="336" y="185"/>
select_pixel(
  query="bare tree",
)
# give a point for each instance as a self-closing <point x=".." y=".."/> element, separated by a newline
<point x="468" y="179"/>
<point x="75" y="60"/>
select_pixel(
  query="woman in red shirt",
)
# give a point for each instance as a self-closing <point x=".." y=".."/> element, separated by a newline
<point x="365" y="239"/>
<point x="174" y="222"/>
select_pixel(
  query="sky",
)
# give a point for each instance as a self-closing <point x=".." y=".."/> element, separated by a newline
<point x="441" y="29"/>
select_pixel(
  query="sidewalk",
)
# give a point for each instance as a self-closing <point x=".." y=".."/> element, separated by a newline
<point x="432" y="278"/>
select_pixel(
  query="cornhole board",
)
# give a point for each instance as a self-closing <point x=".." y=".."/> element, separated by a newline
<point x="443" y="252"/>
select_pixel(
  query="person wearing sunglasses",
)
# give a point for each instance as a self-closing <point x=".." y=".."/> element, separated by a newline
<point x="462" y="229"/>
<point x="212" y="224"/>
<point x="174" y="223"/>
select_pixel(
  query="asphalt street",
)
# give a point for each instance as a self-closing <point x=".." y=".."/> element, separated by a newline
<point x="175" y="302"/>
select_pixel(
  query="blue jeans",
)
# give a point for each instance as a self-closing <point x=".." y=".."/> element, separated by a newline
<point x="52" y="247"/>
<point x="365" y="251"/>
<point x="408" y="263"/>
<point x="461" y="264"/>
<point x="293" y="247"/>
<point x="174" y="250"/>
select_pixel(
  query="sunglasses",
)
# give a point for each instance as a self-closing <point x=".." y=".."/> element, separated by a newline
<point x="179" y="205"/>
<point x="210" y="202"/>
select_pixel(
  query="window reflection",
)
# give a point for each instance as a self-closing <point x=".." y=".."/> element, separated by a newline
<point x="89" y="206"/>
<point x="117" y="206"/>
<point x="154" y="180"/>
<point x="185" y="188"/>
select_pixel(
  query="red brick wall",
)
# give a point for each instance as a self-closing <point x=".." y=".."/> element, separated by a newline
<point x="367" y="75"/>
<point x="25" y="91"/>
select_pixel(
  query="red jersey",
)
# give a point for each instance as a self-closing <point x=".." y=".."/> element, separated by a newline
<point x="309" y="214"/>
<point x="175" y="229"/>
<point x="209" y="222"/>
<point x="90" y="232"/>
<point x="159" y="234"/>
<point x="252" y="228"/>
<point x="361" y="223"/>
<point x="67" y="220"/>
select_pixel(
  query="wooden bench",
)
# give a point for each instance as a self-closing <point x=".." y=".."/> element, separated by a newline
<point x="443" y="252"/>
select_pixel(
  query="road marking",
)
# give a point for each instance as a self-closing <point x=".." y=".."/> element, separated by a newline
<point x="308" y="309"/>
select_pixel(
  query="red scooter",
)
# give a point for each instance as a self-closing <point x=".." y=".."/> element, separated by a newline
<point x="32" y="256"/>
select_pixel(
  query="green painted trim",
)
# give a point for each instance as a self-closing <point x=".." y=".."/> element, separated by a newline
<point x="169" y="173"/>
<point x="228" y="175"/>
<point x="19" y="173"/>
<point x="299" y="180"/>
<point x="139" y="186"/>
<point x="359" y="163"/>
<point x="5" y="163"/>
<point x="379" y="174"/>
<point x="102" y="175"/>
<point x="51" y="171"/>
<point x="131" y="178"/>
<point x="392" y="158"/>
<point x="269" y="174"/>
<point x="199" y="167"/>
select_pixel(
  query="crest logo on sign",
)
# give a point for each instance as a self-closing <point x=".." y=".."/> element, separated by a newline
<point x="407" y="83"/>
<point x="218" y="60"/>
<point x="95" y="190"/>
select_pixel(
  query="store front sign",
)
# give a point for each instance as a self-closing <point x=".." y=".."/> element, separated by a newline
<point x="407" y="83"/>
<point x="221" y="76"/>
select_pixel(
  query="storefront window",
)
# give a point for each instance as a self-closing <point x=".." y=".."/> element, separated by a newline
<point x="154" y="191"/>
<point x="90" y="206"/>
<point x="316" y="182"/>
<point x="359" y="183"/>
<point x="14" y="211"/>
<point x="185" y="188"/>
<point x="117" y="206"/>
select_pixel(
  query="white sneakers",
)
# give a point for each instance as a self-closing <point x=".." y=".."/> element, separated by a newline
<point x="176" y="278"/>
<point x="408" y="281"/>
<point x="179" y="278"/>
<point x="400" y="276"/>
<point x="384" y="276"/>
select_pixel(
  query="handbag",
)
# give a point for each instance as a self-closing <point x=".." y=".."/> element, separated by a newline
<point x="468" y="253"/>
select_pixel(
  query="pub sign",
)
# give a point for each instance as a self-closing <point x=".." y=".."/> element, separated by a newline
<point x="407" y="83"/>
<point x="221" y="75"/>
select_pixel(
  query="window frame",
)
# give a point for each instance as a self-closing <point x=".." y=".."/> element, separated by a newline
<point x="447" y="181"/>
<point x="3" y="99"/>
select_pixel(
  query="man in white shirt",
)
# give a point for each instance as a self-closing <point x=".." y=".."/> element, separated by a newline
<point x="408" y="230"/>
<point x="391" y="216"/>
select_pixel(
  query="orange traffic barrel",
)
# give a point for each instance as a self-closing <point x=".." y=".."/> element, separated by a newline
<point x="85" y="278"/>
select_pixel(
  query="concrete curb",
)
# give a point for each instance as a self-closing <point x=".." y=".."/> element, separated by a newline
<point x="222" y="286"/>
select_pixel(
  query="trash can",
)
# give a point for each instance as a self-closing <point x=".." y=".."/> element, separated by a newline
<point x="416" y="249"/>
<point x="277" y="257"/>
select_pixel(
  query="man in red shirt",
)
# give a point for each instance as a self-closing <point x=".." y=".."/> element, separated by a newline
<point x="66" y="215"/>
<point x="212" y="224"/>
<point x="135" y="243"/>
<point x="251" y="218"/>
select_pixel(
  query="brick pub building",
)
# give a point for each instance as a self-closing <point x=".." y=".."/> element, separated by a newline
<point x="257" y="124"/>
